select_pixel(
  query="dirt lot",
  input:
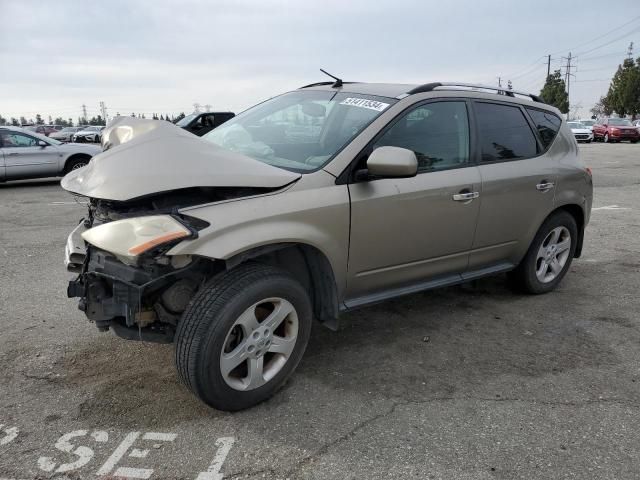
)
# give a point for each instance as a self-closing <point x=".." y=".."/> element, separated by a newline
<point x="472" y="382"/>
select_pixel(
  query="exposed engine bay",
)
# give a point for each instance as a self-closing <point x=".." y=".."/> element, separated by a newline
<point x="142" y="300"/>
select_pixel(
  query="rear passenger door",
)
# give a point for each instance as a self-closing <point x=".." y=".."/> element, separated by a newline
<point x="518" y="179"/>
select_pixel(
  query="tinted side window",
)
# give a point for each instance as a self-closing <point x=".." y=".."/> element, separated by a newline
<point x="437" y="132"/>
<point x="504" y="133"/>
<point x="547" y="124"/>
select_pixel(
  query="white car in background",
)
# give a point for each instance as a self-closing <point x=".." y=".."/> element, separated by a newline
<point x="588" y="122"/>
<point x="637" y="125"/>
<point x="89" y="134"/>
<point x="581" y="132"/>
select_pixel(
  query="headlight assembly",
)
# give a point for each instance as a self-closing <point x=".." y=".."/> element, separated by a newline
<point x="131" y="237"/>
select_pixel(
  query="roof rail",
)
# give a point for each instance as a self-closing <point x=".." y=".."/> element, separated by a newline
<point x="429" y="87"/>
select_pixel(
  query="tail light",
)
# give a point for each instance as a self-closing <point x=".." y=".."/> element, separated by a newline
<point x="615" y="130"/>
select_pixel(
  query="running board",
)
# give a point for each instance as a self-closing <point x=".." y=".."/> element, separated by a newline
<point x="447" y="281"/>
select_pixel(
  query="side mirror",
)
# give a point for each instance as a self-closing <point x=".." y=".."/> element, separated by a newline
<point x="392" y="162"/>
<point x="42" y="143"/>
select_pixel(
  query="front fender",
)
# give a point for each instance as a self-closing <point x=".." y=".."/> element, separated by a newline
<point x="316" y="217"/>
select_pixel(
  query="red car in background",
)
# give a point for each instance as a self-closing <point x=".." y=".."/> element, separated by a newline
<point x="45" y="130"/>
<point x="615" y="130"/>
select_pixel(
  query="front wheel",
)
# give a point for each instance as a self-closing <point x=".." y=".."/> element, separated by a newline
<point x="606" y="138"/>
<point x="549" y="255"/>
<point x="242" y="336"/>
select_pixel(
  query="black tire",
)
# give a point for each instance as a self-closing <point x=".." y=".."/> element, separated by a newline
<point x="524" y="278"/>
<point x="210" y="316"/>
<point x="75" y="163"/>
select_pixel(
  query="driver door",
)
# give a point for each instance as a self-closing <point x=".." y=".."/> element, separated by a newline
<point x="408" y="231"/>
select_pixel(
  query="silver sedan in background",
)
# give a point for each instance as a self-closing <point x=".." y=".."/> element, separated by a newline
<point x="65" y="134"/>
<point x="26" y="154"/>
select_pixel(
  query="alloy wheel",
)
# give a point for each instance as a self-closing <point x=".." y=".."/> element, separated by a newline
<point x="259" y="344"/>
<point x="553" y="254"/>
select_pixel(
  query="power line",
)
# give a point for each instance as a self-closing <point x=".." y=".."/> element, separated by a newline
<point x="635" y="30"/>
<point x="600" y="36"/>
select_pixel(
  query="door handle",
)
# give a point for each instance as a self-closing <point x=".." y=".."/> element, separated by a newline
<point x="545" y="186"/>
<point x="465" y="197"/>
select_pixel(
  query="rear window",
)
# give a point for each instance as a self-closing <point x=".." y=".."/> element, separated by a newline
<point x="548" y="125"/>
<point x="504" y="133"/>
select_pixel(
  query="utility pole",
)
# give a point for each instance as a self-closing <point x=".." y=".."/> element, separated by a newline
<point x="499" y="81"/>
<point x="568" y="75"/>
<point x="548" y="66"/>
<point x="630" y="51"/>
<point x="84" y="112"/>
<point x="103" y="109"/>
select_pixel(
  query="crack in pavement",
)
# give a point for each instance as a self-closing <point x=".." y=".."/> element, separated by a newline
<point x="296" y="470"/>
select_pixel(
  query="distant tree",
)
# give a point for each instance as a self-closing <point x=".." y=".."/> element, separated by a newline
<point x="23" y="121"/>
<point x="166" y="117"/>
<point x="60" y="121"/>
<point x="15" y="122"/>
<point x="143" y="116"/>
<point x="39" y="120"/>
<point x="3" y="121"/>
<point x="554" y="92"/>
<point x="50" y="120"/>
<point x="70" y="122"/>
<point x="154" y="117"/>
<point x="133" y="115"/>
<point x="179" y="117"/>
<point x="624" y="91"/>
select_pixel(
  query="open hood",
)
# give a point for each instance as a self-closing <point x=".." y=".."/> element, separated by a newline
<point x="153" y="156"/>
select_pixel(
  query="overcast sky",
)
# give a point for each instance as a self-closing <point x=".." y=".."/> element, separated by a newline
<point x="163" y="56"/>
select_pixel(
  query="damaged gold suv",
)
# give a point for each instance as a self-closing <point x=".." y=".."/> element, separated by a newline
<point x="321" y="200"/>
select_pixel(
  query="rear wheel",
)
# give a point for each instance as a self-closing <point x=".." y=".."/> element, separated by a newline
<point x="242" y="336"/>
<point x="549" y="255"/>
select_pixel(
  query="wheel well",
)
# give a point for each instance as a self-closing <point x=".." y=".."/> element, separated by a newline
<point x="75" y="156"/>
<point x="578" y="214"/>
<point x="309" y="266"/>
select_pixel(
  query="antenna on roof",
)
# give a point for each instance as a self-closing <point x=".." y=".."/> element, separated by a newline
<point x="338" y="81"/>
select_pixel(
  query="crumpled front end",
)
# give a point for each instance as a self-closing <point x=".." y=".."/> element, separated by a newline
<point x="139" y="296"/>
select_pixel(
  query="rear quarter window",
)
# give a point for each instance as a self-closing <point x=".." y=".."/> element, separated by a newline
<point x="504" y="133"/>
<point x="547" y="124"/>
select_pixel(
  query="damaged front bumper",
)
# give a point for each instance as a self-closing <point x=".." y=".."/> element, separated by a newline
<point x="139" y="302"/>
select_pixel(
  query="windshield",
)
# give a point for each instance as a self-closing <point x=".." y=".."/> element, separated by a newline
<point x="186" y="120"/>
<point x="575" y="125"/>
<point x="588" y="123"/>
<point x="620" y="122"/>
<point x="299" y="131"/>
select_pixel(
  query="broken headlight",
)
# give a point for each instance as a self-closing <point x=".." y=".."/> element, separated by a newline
<point x="131" y="237"/>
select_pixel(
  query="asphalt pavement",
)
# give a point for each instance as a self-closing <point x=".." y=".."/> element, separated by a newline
<point x="470" y="382"/>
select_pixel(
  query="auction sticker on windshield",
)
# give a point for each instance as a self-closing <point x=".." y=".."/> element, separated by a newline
<point x="364" y="103"/>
